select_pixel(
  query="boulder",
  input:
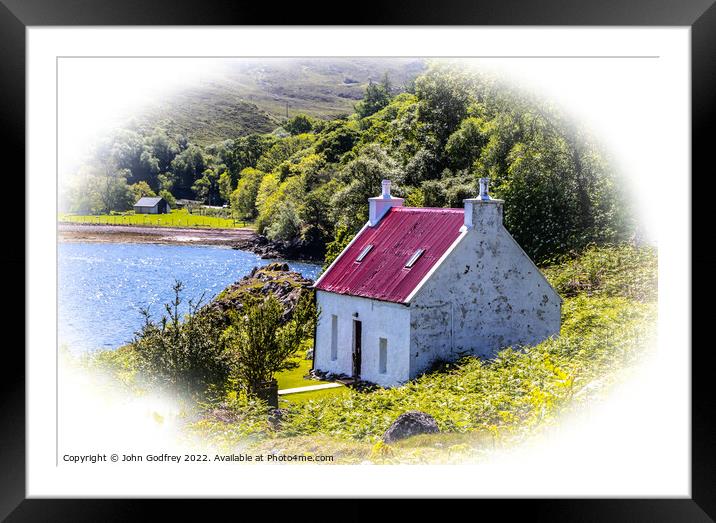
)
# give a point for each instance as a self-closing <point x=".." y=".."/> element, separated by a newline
<point x="276" y="416"/>
<point x="410" y="424"/>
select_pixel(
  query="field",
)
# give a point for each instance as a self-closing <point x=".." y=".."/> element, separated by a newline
<point x="176" y="218"/>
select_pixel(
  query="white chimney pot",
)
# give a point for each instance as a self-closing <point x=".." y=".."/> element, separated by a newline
<point x="386" y="188"/>
<point x="484" y="183"/>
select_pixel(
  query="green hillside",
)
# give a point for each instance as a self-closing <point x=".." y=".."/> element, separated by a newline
<point x="253" y="96"/>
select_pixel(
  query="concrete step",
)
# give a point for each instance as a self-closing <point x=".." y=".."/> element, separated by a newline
<point x="309" y="388"/>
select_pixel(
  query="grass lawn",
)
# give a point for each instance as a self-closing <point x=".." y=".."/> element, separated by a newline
<point x="293" y="378"/>
<point x="176" y="218"/>
<point x="304" y="397"/>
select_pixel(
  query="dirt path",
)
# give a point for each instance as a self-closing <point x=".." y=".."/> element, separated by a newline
<point x="70" y="232"/>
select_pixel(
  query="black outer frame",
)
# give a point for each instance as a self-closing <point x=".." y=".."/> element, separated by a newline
<point x="16" y="15"/>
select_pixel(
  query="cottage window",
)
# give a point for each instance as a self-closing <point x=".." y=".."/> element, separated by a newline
<point x="364" y="253"/>
<point x="383" y="356"/>
<point x="334" y="337"/>
<point x="417" y="254"/>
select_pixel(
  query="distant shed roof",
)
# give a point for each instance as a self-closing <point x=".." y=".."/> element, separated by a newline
<point x="148" y="201"/>
<point x="382" y="273"/>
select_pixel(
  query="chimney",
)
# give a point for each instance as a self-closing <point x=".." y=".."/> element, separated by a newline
<point x="483" y="212"/>
<point x="379" y="205"/>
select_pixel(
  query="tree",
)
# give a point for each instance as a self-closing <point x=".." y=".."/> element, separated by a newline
<point x="163" y="148"/>
<point x="141" y="189"/>
<point x="272" y="198"/>
<point x="443" y="98"/>
<point x="168" y="197"/>
<point x="465" y="145"/>
<point x="299" y="124"/>
<point x="206" y="188"/>
<point x="113" y="191"/>
<point x="376" y="97"/>
<point x="261" y="342"/>
<point x="362" y="178"/>
<point x="342" y="238"/>
<point x="243" y="199"/>
<point x="128" y="150"/>
<point x="185" y="355"/>
<point x="225" y="188"/>
<point x="188" y="166"/>
<point x="245" y="152"/>
<point x="316" y="220"/>
<point x="285" y="223"/>
<point x="282" y="150"/>
<point x="335" y="143"/>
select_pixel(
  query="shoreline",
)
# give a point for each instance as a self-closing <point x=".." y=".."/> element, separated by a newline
<point x="97" y="233"/>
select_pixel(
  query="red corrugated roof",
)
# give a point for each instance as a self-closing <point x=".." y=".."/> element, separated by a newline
<point x="382" y="274"/>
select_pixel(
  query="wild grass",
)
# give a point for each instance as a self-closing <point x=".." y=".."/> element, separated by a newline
<point x="618" y="270"/>
<point x="177" y="218"/>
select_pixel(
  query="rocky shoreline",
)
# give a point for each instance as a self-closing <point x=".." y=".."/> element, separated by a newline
<point x="241" y="239"/>
<point x="287" y="250"/>
<point x="75" y="232"/>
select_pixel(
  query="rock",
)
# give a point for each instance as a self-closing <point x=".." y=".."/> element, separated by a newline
<point x="274" y="278"/>
<point x="222" y="414"/>
<point x="277" y="267"/>
<point x="309" y="354"/>
<point x="410" y="424"/>
<point x="276" y="417"/>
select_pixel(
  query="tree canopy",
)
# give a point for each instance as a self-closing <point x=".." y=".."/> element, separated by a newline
<point x="310" y="182"/>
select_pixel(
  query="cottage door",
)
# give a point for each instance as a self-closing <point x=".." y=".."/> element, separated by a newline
<point x="357" y="341"/>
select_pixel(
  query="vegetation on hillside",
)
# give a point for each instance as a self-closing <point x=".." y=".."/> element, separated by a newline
<point x="308" y="181"/>
<point x="481" y="403"/>
<point x="255" y="96"/>
<point x="607" y="324"/>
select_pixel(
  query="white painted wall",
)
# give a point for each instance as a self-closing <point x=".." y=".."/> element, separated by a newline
<point x="486" y="295"/>
<point x="380" y="319"/>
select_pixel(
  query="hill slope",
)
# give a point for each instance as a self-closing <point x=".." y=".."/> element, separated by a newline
<point x="254" y="95"/>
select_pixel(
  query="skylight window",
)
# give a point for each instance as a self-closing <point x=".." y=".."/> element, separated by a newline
<point x="364" y="253"/>
<point x="417" y="254"/>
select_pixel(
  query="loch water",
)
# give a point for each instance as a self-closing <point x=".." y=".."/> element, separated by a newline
<point x="103" y="286"/>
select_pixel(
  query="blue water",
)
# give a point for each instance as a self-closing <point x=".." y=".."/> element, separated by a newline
<point x="103" y="286"/>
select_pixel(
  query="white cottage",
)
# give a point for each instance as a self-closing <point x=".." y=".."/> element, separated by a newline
<point x="417" y="285"/>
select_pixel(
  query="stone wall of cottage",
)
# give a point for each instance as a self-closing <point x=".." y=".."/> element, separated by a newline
<point x="485" y="295"/>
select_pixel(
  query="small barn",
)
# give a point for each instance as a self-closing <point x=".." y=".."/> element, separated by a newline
<point x="420" y="285"/>
<point x="151" y="205"/>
